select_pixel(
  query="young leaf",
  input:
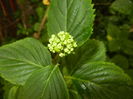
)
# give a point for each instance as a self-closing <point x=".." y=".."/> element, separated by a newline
<point x="73" y="16"/>
<point x="46" y="83"/>
<point x="99" y="80"/>
<point x="92" y="50"/>
<point x="18" y="60"/>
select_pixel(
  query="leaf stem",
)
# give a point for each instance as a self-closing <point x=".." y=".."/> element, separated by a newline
<point x="56" y="59"/>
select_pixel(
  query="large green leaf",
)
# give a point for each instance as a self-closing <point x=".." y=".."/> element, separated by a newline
<point x="100" y="80"/>
<point x="18" y="60"/>
<point x="92" y="50"/>
<point x="46" y="83"/>
<point x="73" y="16"/>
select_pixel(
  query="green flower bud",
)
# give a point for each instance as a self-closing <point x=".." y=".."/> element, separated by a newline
<point x="62" y="43"/>
<point x="61" y="54"/>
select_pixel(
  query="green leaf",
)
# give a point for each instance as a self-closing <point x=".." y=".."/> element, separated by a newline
<point x="74" y="94"/>
<point x="12" y="93"/>
<point x="46" y="83"/>
<point x="123" y="6"/>
<point x="40" y="12"/>
<point x="125" y="93"/>
<point x="73" y="16"/>
<point x="116" y="37"/>
<point x="121" y="61"/>
<point x="130" y="73"/>
<point x="127" y="47"/>
<point x="92" y="50"/>
<point x="19" y="59"/>
<point x="131" y="61"/>
<point x="36" y="26"/>
<point x="99" y="80"/>
<point x="117" y="32"/>
<point x="6" y="88"/>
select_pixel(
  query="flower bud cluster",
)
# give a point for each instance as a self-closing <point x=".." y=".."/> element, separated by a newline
<point x="62" y="43"/>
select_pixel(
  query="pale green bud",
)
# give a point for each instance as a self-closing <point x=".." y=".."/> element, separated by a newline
<point x="71" y="49"/>
<point x="66" y="50"/>
<point x="74" y="44"/>
<point x="61" y="54"/>
<point x="65" y="42"/>
<point x="54" y="44"/>
<point x="69" y="46"/>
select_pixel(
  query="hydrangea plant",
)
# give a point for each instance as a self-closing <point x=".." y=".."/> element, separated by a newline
<point x="28" y="65"/>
